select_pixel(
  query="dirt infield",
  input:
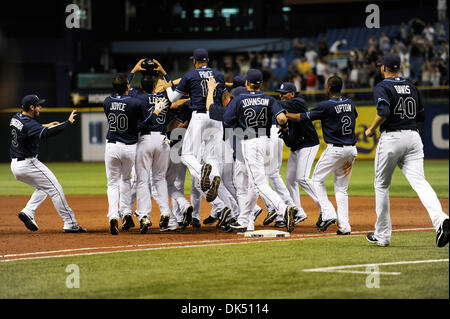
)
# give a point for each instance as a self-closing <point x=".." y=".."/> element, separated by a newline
<point x="90" y="211"/>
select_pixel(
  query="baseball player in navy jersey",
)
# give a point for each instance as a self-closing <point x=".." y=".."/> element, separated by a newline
<point x="399" y="108"/>
<point x="26" y="135"/>
<point x="123" y="113"/>
<point x="303" y="141"/>
<point x="199" y="142"/>
<point x="253" y="112"/>
<point x="338" y="117"/>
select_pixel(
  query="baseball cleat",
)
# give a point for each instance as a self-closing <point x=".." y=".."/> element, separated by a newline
<point x="270" y="217"/>
<point x="227" y="228"/>
<point x="204" y="178"/>
<point x="289" y="218"/>
<point x="214" y="190"/>
<point x="164" y="223"/>
<point x="371" y="239"/>
<point x="325" y="224"/>
<point x="238" y="226"/>
<point x="258" y="212"/>
<point x="196" y="223"/>
<point x="223" y="214"/>
<point x="280" y="224"/>
<point x="28" y="221"/>
<point x="127" y="222"/>
<point x="187" y="216"/>
<point x="181" y="226"/>
<point x="442" y="234"/>
<point x="299" y="219"/>
<point x="145" y="224"/>
<point x="114" y="227"/>
<point x="339" y="232"/>
<point x="75" y="229"/>
<point x="209" y="220"/>
<point x="319" y="221"/>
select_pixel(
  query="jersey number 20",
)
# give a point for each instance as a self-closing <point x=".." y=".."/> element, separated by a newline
<point x="117" y="122"/>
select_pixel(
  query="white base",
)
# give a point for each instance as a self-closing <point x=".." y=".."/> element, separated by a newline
<point x="266" y="233"/>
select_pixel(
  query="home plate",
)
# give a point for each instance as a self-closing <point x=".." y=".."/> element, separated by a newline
<point x="267" y="233"/>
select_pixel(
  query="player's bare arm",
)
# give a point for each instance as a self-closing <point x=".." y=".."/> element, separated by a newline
<point x="212" y="84"/>
<point x="293" y="116"/>
<point x="160" y="69"/>
<point x="138" y="67"/>
<point x="375" y="124"/>
<point x="50" y="124"/>
<point x="71" y="118"/>
<point x="178" y="104"/>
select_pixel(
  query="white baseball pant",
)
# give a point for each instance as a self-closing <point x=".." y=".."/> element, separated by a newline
<point x="405" y="150"/>
<point x="32" y="172"/>
<point x="298" y="171"/>
<point x="152" y="157"/>
<point x="119" y="160"/>
<point x="331" y="161"/>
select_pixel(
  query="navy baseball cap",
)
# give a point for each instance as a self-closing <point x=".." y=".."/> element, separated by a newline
<point x="391" y="60"/>
<point x="200" y="55"/>
<point x="254" y="76"/>
<point x="238" y="80"/>
<point x="32" y="99"/>
<point x="287" y="87"/>
<point x="239" y="90"/>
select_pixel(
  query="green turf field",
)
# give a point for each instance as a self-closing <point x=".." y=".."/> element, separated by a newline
<point x="242" y="271"/>
<point x="90" y="179"/>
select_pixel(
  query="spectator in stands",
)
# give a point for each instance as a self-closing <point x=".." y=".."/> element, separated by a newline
<point x="353" y="78"/>
<point x="404" y="58"/>
<point x="303" y="67"/>
<point x="322" y="48"/>
<point x="404" y="32"/>
<point x="322" y="72"/>
<point x="426" y="73"/>
<point x="299" y="48"/>
<point x="311" y="80"/>
<point x="417" y="26"/>
<point x="337" y="46"/>
<point x="243" y="64"/>
<point x="442" y="9"/>
<point x="311" y="55"/>
<point x="372" y="42"/>
<point x="363" y="76"/>
<point x="416" y="57"/>
<point x="435" y="77"/>
<point x="383" y="41"/>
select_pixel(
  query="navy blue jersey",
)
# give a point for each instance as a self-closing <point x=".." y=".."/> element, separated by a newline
<point x="338" y="118"/>
<point x="26" y="133"/>
<point x="252" y="110"/>
<point x="124" y="113"/>
<point x="399" y="101"/>
<point x="152" y="122"/>
<point x="301" y="134"/>
<point x="194" y="83"/>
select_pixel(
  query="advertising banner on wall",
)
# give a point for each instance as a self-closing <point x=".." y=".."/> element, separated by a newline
<point x="93" y="136"/>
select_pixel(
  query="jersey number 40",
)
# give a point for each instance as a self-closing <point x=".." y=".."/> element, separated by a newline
<point x="406" y="108"/>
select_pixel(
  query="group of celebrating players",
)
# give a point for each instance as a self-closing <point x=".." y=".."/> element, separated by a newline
<point x="230" y="136"/>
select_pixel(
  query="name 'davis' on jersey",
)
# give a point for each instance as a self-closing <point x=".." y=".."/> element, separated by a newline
<point x="343" y="108"/>
<point x="117" y="106"/>
<point x="205" y="74"/>
<point x="402" y="89"/>
<point x="255" y="101"/>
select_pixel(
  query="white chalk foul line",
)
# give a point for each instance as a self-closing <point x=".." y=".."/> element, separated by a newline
<point x="170" y="245"/>
<point x="339" y="269"/>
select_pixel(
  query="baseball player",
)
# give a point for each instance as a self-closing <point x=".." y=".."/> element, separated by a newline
<point x="253" y="113"/>
<point x="123" y="113"/>
<point x="303" y="141"/>
<point x="237" y="190"/>
<point x="338" y="117"/>
<point x="26" y="135"/>
<point x="194" y="84"/>
<point x="399" y="108"/>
